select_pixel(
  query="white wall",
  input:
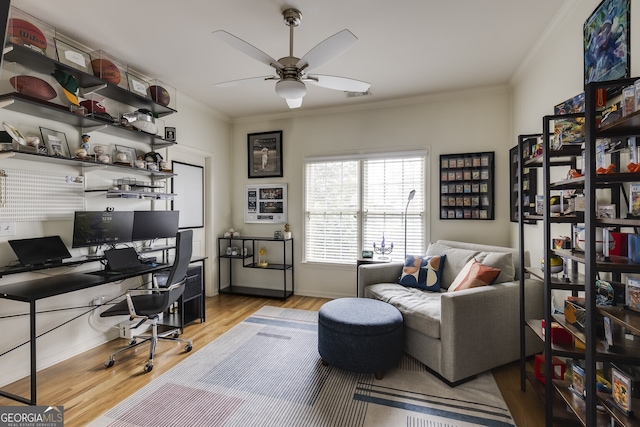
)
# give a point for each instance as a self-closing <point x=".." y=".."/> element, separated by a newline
<point x="470" y="121"/>
<point x="203" y="138"/>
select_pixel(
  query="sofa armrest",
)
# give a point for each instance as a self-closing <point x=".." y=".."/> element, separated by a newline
<point x="370" y="274"/>
<point x="486" y="320"/>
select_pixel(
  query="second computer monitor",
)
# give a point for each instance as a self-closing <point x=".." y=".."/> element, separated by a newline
<point x="149" y="225"/>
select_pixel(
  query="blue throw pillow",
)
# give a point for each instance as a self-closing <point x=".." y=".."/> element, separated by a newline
<point x="422" y="272"/>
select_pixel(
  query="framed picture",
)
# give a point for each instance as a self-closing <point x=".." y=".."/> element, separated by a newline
<point x="264" y="152"/>
<point x="632" y="294"/>
<point x="170" y="134"/>
<point x="73" y="56"/>
<point x="56" y="142"/>
<point x="606" y="42"/>
<point x="123" y="155"/>
<point x="471" y="174"/>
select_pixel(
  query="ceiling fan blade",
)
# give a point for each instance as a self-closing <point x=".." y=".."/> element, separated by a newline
<point x="294" y="103"/>
<point x="243" y="81"/>
<point x="246" y="48"/>
<point x="326" y="50"/>
<point x="337" y="83"/>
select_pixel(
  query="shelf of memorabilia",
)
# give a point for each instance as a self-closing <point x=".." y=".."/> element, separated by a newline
<point x="253" y="249"/>
<point x="578" y="404"/>
<point x="573" y="281"/>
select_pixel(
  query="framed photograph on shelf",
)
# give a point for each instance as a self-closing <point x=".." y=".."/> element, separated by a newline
<point x="469" y="176"/>
<point x="264" y="154"/>
<point x="632" y="294"/>
<point x="56" y="142"/>
<point x="622" y="386"/>
<point x="170" y="134"/>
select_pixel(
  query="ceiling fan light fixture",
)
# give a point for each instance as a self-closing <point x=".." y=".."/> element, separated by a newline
<point x="291" y="89"/>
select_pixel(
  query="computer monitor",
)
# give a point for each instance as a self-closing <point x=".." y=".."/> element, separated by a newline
<point x="149" y="225"/>
<point x="95" y="228"/>
<point x="39" y="250"/>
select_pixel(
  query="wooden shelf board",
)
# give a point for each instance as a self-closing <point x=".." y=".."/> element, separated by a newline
<point x="577" y="405"/>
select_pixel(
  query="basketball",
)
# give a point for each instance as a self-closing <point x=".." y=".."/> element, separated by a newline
<point x="106" y="70"/>
<point x="33" y="86"/>
<point x="29" y="34"/>
<point x="160" y="95"/>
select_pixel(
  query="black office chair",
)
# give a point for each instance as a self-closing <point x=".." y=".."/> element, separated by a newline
<point x="150" y="303"/>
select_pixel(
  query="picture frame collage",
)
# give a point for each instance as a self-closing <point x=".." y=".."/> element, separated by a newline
<point x="467" y="186"/>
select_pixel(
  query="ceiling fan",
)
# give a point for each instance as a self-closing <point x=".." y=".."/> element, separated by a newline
<point x="291" y="72"/>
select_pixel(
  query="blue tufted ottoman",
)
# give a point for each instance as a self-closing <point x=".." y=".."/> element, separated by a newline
<point x="360" y="335"/>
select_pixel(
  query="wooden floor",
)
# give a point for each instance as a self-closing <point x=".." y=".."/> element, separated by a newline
<point x="87" y="389"/>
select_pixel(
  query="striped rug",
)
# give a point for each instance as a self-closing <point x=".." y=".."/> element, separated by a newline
<point x="266" y="371"/>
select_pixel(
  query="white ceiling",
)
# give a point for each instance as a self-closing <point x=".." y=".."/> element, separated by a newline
<point x="406" y="48"/>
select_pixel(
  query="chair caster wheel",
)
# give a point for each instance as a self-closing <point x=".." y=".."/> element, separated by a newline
<point x="188" y="348"/>
<point x="132" y="342"/>
<point x="176" y="334"/>
<point x="148" y="367"/>
<point x="109" y="363"/>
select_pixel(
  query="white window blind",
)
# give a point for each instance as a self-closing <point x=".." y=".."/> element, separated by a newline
<point x="387" y="184"/>
<point x="332" y="200"/>
<point x="351" y="203"/>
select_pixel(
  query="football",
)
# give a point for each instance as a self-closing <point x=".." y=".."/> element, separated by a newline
<point x="24" y="32"/>
<point x="160" y="95"/>
<point x="106" y="70"/>
<point x="33" y="86"/>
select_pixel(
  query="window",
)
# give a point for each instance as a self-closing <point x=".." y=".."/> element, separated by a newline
<point x="351" y="202"/>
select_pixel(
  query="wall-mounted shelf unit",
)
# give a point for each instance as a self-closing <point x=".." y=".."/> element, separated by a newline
<point x="284" y="264"/>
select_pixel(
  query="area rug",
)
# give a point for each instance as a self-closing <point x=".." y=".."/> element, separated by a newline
<point x="266" y="371"/>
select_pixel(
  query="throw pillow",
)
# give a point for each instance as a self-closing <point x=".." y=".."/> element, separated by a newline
<point x="503" y="261"/>
<point x="422" y="272"/>
<point x="474" y="275"/>
<point x="456" y="259"/>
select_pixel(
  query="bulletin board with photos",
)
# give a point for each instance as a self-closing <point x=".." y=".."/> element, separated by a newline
<point x="467" y="186"/>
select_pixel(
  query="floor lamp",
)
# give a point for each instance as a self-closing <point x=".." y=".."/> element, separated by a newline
<point x="411" y="194"/>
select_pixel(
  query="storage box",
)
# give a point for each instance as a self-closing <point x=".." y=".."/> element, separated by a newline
<point x="620" y="243"/>
<point x="559" y="335"/>
<point x="558" y="368"/>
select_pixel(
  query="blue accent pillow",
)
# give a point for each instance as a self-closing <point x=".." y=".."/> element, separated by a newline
<point x="422" y="272"/>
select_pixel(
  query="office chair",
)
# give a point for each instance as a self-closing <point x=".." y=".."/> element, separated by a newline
<point x="150" y="303"/>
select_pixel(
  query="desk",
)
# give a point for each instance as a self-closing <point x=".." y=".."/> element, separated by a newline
<point x="33" y="290"/>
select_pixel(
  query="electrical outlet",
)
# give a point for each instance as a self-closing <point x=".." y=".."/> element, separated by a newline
<point x="7" y="228"/>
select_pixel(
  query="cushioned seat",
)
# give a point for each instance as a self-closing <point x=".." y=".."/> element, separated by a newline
<point x="360" y="335"/>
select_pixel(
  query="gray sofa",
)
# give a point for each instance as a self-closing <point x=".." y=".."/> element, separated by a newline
<point x="460" y="334"/>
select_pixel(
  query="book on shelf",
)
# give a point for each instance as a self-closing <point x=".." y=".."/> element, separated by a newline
<point x="634" y="199"/>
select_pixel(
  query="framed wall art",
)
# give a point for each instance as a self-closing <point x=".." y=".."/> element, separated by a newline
<point x="606" y="42"/>
<point x="264" y="153"/>
<point x="467" y="186"/>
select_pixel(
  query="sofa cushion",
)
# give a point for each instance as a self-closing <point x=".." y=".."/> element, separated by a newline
<point x="503" y="261"/>
<point x="474" y="275"/>
<point x="420" y="309"/>
<point x="422" y="272"/>
<point x="456" y="260"/>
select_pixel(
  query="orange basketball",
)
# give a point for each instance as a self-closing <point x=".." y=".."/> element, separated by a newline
<point x="29" y="34"/>
<point x="106" y="70"/>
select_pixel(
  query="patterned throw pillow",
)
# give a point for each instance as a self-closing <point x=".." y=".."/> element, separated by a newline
<point x="422" y="272"/>
<point x="473" y="275"/>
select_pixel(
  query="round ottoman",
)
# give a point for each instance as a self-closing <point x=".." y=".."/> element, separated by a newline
<point x="360" y="335"/>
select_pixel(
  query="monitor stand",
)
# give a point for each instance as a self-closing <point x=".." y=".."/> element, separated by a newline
<point x="94" y="253"/>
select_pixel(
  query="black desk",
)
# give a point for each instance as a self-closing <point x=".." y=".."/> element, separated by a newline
<point x="33" y="290"/>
